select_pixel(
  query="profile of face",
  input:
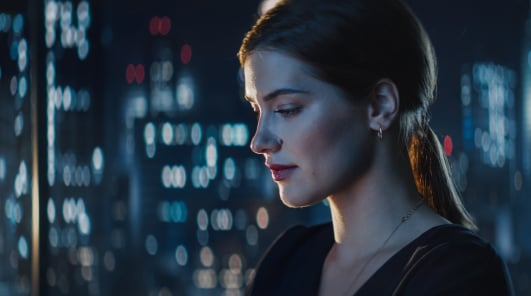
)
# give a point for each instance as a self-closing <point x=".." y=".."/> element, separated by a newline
<point x="315" y="141"/>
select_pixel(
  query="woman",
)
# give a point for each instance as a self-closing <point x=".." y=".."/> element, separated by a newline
<point x="341" y="89"/>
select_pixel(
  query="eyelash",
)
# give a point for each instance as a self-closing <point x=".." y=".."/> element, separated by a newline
<point x="288" y="112"/>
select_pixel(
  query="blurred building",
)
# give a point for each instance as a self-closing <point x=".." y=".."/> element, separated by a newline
<point x="147" y="184"/>
<point x="523" y="179"/>
<point x="17" y="231"/>
<point x="489" y="143"/>
<point x="524" y="204"/>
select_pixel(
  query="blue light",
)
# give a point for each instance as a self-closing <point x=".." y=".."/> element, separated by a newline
<point x="13" y="51"/>
<point x="23" y="247"/>
<point x="18" y="23"/>
<point x="4" y="22"/>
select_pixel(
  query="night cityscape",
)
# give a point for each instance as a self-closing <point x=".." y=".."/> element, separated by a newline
<point x="125" y="166"/>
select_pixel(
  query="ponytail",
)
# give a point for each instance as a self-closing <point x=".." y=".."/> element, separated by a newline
<point x="401" y="52"/>
<point x="431" y="172"/>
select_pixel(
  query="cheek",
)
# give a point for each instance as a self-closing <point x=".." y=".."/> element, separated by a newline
<point x="330" y="133"/>
<point x="324" y="138"/>
<point x="317" y="136"/>
<point x="339" y="149"/>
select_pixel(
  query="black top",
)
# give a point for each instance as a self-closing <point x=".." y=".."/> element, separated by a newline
<point x="445" y="260"/>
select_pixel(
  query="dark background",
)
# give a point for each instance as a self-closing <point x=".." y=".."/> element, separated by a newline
<point x="125" y="168"/>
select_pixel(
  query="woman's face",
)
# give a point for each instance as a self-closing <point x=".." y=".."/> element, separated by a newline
<point x="315" y="141"/>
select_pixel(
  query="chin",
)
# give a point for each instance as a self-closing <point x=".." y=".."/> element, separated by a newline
<point x="293" y="201"/>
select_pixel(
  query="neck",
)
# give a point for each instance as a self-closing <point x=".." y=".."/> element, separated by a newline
<point x="369" y="210"/>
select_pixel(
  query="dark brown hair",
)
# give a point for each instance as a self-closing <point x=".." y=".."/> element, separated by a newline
<point x="354" y="43"/>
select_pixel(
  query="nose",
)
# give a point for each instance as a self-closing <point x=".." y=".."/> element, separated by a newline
<point x="264" y="140"/>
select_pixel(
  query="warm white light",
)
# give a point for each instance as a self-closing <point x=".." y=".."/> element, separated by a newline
<point x="149" y="133"/>
<point x="262" y="218"/>
<point x="86" y="256"/>
<point x="211" y="152"/>
<point x="224" y="219"/>
<point x="267" y="5"/>
<point x="205" y="278"/>
<point x="167" y="133"/>
<point x="202" y="219"/>
<point x="67" y="98"/>
<point x="185" y="93"/>
<point x="51" y="12"/>
<point x="166" y="176"/>
<point x="206" y="256"/>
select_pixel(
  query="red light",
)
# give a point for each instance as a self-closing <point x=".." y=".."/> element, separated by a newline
<point x="140" y="73"/>
<point x="130" y="73"/>
<point x="186" y="54"/>
<point x="159" y="25"/>
<point x="164" y="25"/>
<point x="135" y="73"/>
<point x="154" y="25"/>
<point x="448" y="145"/>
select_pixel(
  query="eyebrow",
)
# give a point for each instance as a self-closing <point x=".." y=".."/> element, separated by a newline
<point x="282" y="91"/>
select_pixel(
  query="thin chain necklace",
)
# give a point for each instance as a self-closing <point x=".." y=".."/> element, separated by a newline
<point x="404" y="219"/>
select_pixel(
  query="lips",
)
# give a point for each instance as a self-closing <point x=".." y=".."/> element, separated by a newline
<point x="281" y="172"/>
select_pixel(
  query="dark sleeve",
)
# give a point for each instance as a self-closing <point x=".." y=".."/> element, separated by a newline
<point x="464" y="268"/>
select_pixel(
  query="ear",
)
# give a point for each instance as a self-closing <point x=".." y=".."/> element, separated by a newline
<point x="383" y="105"/>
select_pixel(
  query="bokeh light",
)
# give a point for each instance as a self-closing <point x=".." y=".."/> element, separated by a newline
<point x="181" y="255"/>
<point x="186" y="54"/>
<point x="158" y="166"/>
<point x="262" y="218"/>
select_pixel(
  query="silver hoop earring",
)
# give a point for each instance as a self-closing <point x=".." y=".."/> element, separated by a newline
<point x="380" y="134"/>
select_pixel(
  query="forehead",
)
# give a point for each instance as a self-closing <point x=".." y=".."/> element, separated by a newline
<point x="265" y="71"/>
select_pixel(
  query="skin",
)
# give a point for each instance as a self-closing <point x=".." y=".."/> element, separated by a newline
<point x="331" y="146"/>
<point x="300" y="118"/>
